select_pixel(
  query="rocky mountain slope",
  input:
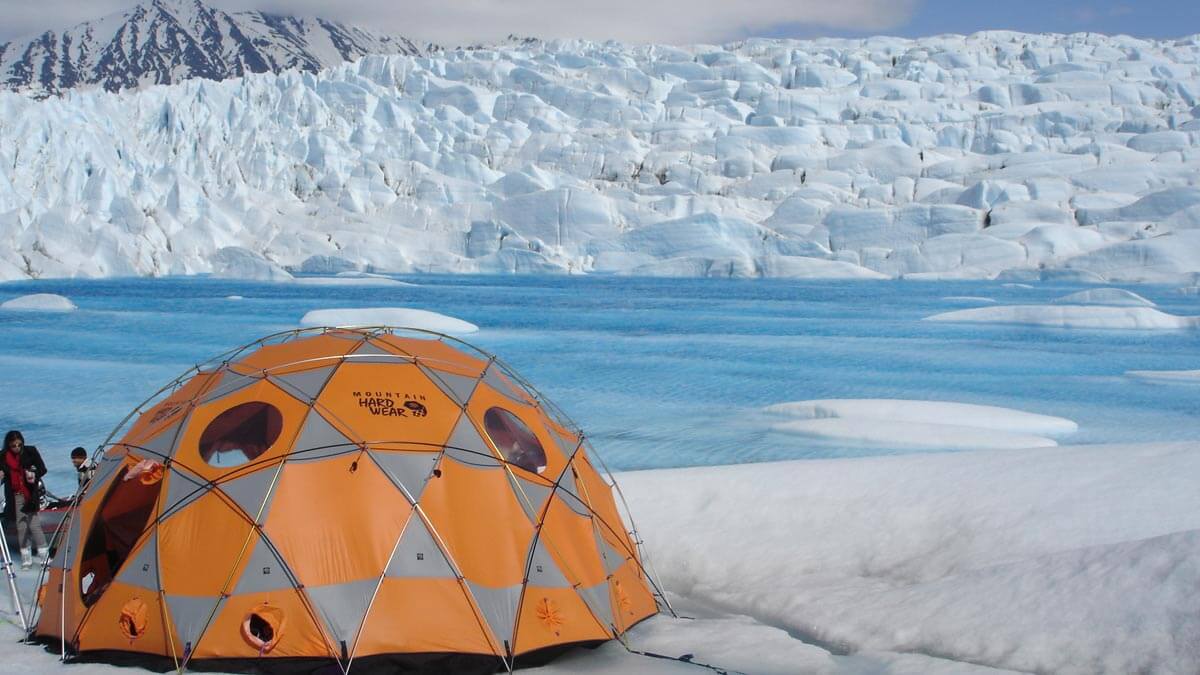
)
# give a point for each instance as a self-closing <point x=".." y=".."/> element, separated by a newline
<point x="168" y="41"/>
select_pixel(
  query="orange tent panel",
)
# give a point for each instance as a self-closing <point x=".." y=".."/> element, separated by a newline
<point x="420" y="616"/>
<point x="336" y="519"/>
<point x="483" y="527"/>
<point x="290" y="623"/>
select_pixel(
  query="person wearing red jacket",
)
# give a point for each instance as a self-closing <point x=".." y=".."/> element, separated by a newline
<point x="22" y="468"/>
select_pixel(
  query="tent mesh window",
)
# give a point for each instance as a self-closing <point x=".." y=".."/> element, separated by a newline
<point x="122" y="517"/>
<point x="515" y="440"/>
<point x="240" y="434"/>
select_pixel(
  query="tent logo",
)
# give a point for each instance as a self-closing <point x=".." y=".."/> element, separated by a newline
<point x="391" y="403"/>
<point x="165" y="412"/>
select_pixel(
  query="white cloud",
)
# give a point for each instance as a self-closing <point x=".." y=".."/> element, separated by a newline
<point x="465" y="21"/>
<point x="32" y="18"/>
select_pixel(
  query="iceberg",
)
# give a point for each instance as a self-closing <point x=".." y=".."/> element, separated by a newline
<point x="990" y="417"/>
<point x="1166" y="376"/>
<point x="926" y="425"/>
<point x="1115" y="297"/>
<point x="39" y="302"/>
<point x="402" y="317"/>
<point x="1073" y="316"/>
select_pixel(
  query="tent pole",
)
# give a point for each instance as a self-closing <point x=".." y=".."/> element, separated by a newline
<point x="12" y="581"/>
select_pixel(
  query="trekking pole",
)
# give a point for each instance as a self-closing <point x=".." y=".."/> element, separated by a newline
<point x="12" y="579"/>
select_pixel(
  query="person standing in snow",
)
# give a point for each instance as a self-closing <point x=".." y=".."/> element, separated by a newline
<point x="84" y="468"/>
<point x="22" y="468"/>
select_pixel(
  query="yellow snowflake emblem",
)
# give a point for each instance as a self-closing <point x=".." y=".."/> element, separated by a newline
<point x="548" y="614"/>
<point x="623" y="598"/>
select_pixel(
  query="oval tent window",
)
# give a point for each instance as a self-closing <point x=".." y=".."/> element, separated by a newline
<point x="515" y="441"/>
<point x="240" y="434"/>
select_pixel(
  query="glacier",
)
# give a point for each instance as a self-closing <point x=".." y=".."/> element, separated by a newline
<point x="994" y="155"/>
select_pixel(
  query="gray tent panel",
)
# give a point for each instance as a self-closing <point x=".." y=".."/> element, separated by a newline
<point x="106" y="468"/>
<point x="230" y="383"/>
<point x="599" y="602"/>
<point x="142" y="570"/>
<point x="564" y="494"/>
<point x="183" y="488"/>
<point x="346" y="335"/>
<point x="343" y="606"/>
<point x="502" y="384"/>
<point x="418" y="555"/>
<point x="68" y="543"/>
<point x="252" y="492"/>
<point x="532" y="497"/>
<point x="499" y="607"/>
<point x="613" y="558"/>
<point x="319" y="439"/>
<point x="263" y="572"/>
<point x="191" y="614"/>
<point x="370" y="353"/>
<point x="162" y="445"/>
<point x="565" y="443"/>
<point x="408" y="470"/>
<point x="458" y="387"/>
<point x="305" y="385"/>
<point x="543" y="570"/>
<point x="466" y="446"/>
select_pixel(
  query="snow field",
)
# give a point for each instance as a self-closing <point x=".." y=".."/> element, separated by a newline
<point x="1070" y="560"/>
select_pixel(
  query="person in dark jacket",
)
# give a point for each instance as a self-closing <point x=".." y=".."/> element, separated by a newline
<point x="84" y="468"/>
<point x="22" y="467"/>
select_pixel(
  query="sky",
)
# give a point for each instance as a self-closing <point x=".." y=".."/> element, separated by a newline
<point x="455" y="22"/>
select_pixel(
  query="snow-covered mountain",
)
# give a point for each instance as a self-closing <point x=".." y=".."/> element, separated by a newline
<point x="168" y="41"/>
<point x="996" y="153"/>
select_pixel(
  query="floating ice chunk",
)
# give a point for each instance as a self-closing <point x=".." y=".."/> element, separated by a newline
<point x="968" y="298"/>
<point x="402" y="317"/>
<point x="235" y="262"/>
<point x="1072" y="316"/>
<point x="1166" y="376"/>
<point x="927" y="412"/>
<point x="1116" y="297"/>
<point x="234" y="297"/>
<point x="39" y="302"/>
<point x="799" y="267"/>
<point x="357" y="280"/>
<point x="925" y="436"/>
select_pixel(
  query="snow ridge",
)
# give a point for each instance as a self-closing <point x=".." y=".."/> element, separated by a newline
<point x="168" y="41"/>
<point x="995" y="154"/>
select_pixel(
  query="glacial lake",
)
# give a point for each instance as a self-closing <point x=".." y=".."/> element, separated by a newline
<point x="658" y="372"/>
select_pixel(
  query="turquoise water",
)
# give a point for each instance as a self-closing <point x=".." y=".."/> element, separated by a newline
<point x="659" y="373"/>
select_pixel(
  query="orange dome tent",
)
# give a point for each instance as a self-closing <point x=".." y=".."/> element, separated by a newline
<point x="378" y="498"/>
